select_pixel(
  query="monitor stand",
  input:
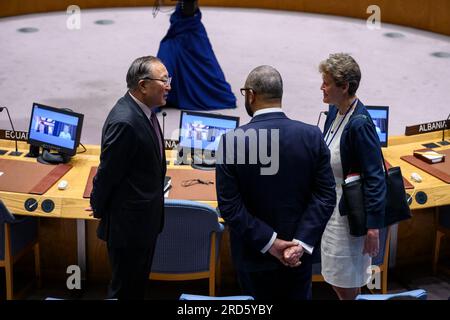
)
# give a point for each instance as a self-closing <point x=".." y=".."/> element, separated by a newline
<point x="33" y="152"/>
<point x="203" y="166"/>
<point x="202" y="163"/>
<point x="52" y="158"/>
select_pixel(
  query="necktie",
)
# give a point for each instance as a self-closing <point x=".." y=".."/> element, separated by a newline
<point x="155" y="125"/>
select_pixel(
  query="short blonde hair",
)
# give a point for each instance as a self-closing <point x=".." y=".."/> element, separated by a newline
<point x="343" y="69"/>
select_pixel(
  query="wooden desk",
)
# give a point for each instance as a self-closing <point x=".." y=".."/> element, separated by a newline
<point x="75" y="231"/>
<point x="71" y="238"/>
<point x="414" y="240"/>
<point x="69" y="203"/>
<point x="438" y="192"/>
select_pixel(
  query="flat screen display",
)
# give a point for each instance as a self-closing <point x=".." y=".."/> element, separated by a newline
<point x="54" y="128"/>
<point x="199" y="130"/>
<point x="380" y="117"/>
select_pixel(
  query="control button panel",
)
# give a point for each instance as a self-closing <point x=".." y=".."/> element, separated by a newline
<point x="30" y="204"/>
<point x="421" y="197"/>
<point x="47" y="205"/>
<point x="38" y="206"/>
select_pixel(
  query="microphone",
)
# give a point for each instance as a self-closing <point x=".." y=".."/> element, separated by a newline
<point x="444" y="142"/>
<point x="13" y="153"/>
<point x="320" y="115"/>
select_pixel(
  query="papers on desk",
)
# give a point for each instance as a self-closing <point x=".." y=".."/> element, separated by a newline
<point x="429" y="156"/>
<point x="167" y="186"/>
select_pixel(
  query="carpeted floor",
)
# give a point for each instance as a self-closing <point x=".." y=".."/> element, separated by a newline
<point x="400" y="280"/>
<point x="85" y="69"/>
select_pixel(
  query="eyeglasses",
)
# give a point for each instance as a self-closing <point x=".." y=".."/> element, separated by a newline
<point x="165" y="81"/>
<point x="244" y="90"/>
<point x="191" y="182"/>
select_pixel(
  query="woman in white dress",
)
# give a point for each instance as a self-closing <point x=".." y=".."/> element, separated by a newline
<point x="355" y="149"/>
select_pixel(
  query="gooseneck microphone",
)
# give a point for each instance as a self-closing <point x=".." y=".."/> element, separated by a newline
<point x="320" y="115"/>
<point x="13" y="153"/>
<point x="444" y="142"/>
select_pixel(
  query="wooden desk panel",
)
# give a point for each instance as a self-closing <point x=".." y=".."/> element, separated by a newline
<point x="58" y="248"/>
<point x="416" y="236"/>
<point x="432" y="15"/>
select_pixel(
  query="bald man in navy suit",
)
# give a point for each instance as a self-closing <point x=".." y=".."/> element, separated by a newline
<point x="276" y="208"/>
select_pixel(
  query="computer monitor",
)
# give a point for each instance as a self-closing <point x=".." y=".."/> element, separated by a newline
<point x="380" y="117"/>
<point x="55" y="129"/>
<point x="200" y="132"/>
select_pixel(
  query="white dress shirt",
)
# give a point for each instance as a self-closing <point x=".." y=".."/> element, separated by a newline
<point x="147" y="110"/>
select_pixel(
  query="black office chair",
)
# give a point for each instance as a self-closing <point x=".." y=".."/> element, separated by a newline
<point x="18" y="236"/>
<point x="188" y="247"/>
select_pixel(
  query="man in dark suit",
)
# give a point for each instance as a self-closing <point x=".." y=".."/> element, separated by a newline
<point x="127" y="194"/>
<point x="278" y="209"/>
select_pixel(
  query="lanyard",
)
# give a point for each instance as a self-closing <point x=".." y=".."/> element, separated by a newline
<point x="339" y="126"/>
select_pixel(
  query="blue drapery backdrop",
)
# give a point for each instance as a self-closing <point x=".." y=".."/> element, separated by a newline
<point x="198" y="81"/>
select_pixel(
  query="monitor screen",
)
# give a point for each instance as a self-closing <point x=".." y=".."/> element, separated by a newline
<point x="380" y="117"/>
<point x="54" y="128"/>
<point x="200" y="130"/>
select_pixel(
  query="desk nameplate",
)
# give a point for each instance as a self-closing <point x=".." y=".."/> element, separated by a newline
<point x="13" y="135"/>
<point x="427" y="127"/>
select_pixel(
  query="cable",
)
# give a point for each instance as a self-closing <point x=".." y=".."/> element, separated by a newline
<point x="83" y="148"/>
<point x="411" y="197"/>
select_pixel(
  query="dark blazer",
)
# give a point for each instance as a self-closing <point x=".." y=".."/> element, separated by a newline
<point x="296" y="202"/>
<point x="361" y="153"/>
<point x="127" y="192"/>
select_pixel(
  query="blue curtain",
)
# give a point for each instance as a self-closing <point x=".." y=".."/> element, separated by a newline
<point x="198" y="81"/>
<point x="59" y="126"/>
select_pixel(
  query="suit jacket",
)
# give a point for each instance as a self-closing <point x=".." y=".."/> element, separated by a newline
<point x="127" y="192"/>
<point x="361" y="153"/>
<point x="296" y="202"/>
